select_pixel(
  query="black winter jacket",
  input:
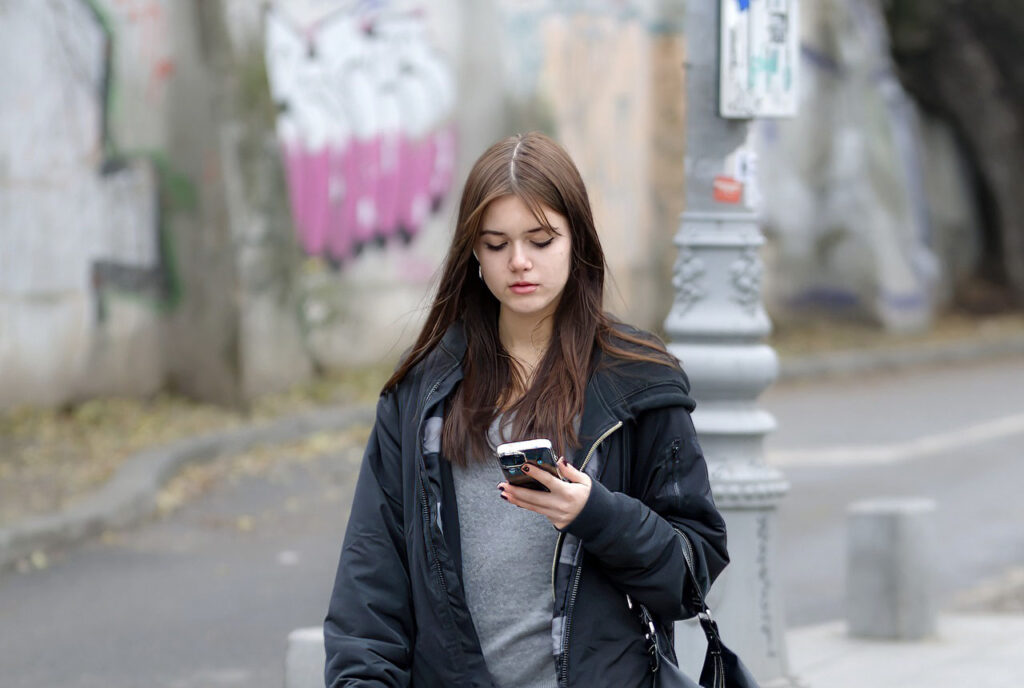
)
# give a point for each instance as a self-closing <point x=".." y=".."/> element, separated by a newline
<point x="398" y="614"/>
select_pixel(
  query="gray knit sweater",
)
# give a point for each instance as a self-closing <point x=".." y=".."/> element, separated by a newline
<point x="506" y="573"/>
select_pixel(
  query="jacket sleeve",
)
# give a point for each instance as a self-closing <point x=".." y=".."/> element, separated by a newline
<point x="368" y="629"/>
<point x="637" y="539"/>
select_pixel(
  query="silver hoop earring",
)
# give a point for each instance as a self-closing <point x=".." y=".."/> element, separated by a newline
<point x="480" y="271"/>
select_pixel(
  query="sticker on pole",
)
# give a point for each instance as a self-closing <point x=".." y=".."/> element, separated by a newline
<point x="727" y="190"/>
<point x="759" y="58"/>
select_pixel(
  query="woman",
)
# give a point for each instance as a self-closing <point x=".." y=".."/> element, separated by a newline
<point x="445" y="580"/>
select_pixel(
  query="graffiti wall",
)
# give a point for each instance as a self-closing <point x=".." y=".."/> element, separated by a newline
<point x="365" y="123"/>
<point x="80" y="259"/>
<point x="367" y="116"/>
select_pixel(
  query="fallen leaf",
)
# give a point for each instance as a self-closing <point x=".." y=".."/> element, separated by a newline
<point x="39" y="560"/>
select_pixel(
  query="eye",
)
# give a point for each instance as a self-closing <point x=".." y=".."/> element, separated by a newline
<point x="542" y="244"/>
<point x="491" y="247"/>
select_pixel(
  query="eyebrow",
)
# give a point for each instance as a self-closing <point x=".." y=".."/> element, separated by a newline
<point x="529" y="231"/>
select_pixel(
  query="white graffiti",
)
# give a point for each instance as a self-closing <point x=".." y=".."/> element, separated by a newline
<point x="365" y="123"/>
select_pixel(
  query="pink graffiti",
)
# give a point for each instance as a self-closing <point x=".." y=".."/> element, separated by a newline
<point x="346" y="198"/>
<point x="366" y="129"/>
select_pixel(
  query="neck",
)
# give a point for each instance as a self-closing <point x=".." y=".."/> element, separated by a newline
<point x="525" y="338"/>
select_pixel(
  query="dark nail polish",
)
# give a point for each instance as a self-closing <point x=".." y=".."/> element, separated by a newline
<point x="504" y="496"/>
<point x="526" y="469"/>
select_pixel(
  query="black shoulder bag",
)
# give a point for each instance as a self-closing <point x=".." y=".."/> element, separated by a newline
<point x="722" y="667"/>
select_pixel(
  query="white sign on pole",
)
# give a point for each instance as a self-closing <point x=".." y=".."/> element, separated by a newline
<point x="759" y="58"/>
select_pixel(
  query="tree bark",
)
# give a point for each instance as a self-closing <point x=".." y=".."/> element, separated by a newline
<point x="961" y="60"/>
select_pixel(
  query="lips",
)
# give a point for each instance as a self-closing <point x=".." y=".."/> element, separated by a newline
<point x="523" y="287"/>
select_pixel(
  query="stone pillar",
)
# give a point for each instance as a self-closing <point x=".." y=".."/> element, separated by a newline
<point x="305" y="658"/>
<point x="890" y="569"/>
<point x="715" y="328"/>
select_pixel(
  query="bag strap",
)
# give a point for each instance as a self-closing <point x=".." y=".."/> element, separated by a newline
<point x="718" y="656"/>
<point x="713" y="663"/>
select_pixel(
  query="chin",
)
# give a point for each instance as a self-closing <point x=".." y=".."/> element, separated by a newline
<point x="522" y="309"/>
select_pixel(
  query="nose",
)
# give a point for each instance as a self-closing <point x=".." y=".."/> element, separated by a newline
<point x="519" y="261"/>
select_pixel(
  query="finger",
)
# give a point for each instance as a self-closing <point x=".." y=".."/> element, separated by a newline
<point x="533" y="500"/>
<point x="571" y="473"/>
<point x="541" y="476"/>
<point x="524" y="496"/>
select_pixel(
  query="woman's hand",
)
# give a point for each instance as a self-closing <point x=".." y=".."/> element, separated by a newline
<point x="562" y="504"/>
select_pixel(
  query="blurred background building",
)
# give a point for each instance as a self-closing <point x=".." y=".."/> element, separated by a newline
<point x="227" y="197"/>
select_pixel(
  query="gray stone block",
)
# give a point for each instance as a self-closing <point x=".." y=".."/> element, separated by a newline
<point x="304" y="661"/>
<point x="890" y="566"/>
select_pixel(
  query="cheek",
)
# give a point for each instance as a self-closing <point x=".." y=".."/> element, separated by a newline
<point x="488" y="272"/>
<point x="488" y="265"/>
<point x="564" y="261"/>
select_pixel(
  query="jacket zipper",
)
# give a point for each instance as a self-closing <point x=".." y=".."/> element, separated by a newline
<point x="425" y="501"/>
<point x="564" y="678"/>
<point x="561" y="536"/>
<point x="430" y="538"/>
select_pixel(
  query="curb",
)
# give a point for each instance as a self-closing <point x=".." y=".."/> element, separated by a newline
<point x="130" y="496"/>
<point x="860" y="362"/>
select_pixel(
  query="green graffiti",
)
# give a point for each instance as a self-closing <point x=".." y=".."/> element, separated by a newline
<point x="176" y="191"/>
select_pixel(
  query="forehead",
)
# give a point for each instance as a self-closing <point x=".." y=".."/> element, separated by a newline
<point x="510" y="215"/>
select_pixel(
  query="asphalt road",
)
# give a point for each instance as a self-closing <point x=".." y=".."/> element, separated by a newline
<point x="201" y="599"/>
<point x="206" y="596"/>
<point x="952" y="435"/>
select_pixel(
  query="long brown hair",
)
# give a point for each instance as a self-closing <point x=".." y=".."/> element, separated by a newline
<point x="541" y="174"/>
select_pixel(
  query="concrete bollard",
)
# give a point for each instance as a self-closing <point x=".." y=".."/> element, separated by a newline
<point x="304" y="660"/>
<point x="890" y="584"/>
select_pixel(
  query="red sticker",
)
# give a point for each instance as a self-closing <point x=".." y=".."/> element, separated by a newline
<point x="727" y="190"/>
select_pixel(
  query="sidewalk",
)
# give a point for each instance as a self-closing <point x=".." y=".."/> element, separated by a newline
<point x="980" y="651"/>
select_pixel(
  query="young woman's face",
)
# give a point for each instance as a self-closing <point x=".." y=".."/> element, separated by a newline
<point x="524" y="265"/>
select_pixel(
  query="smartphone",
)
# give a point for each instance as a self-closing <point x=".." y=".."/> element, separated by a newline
<point x="514" y="455"/>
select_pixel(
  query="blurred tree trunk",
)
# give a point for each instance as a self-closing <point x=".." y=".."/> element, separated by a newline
<point x="234" y="332"/>
<point x="202" y="343"/>
<point x="962" y="61"/>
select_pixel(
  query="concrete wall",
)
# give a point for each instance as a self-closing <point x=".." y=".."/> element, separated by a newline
<point x="867" y="204"/>
<point x="82" y="271"/>
<point x="605" y="78"/>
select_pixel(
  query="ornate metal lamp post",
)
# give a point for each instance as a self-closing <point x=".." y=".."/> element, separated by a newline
<point x="715" y="327"/>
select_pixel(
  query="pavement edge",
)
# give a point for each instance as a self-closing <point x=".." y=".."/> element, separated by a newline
<point x="130" y="496"/>
<point x="864" y="361"/>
